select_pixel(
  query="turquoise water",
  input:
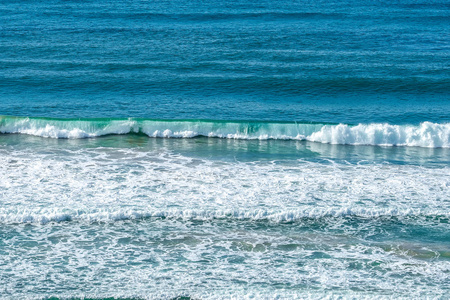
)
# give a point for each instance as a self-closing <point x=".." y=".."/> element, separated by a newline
<point x="224" y="150"/>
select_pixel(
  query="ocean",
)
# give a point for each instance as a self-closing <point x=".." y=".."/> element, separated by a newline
<point x="224" y="149"/>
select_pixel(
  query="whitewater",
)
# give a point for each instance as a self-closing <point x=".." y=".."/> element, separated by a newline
<point x="148" y="211"/>
<point x="102" y="185"/>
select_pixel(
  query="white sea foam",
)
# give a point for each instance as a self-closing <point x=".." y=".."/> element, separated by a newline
<point x="106" y="185"/>
<point x="81" y="197"/>
<point x="167" y="259"/>
<point x="44" y="216"/>
<point x="426" y="134"/>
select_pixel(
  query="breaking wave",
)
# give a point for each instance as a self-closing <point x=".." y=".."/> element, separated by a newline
<point x="426" y="134"/>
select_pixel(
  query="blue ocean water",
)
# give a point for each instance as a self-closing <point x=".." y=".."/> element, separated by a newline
<point x="224" y="149"/>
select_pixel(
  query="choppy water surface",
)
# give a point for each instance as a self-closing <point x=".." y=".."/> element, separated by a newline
<point x="226" y="149"/>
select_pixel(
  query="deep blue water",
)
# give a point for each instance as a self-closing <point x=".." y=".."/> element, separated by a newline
<point x="224" y="149"/>
<point x="321" y="61"/>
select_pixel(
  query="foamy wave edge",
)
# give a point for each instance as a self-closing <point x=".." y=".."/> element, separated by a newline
<point x="45" y="216"/>
<point x="426" y="134"/>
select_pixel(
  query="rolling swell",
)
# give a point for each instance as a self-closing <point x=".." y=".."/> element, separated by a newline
<point x="426" y="134"/>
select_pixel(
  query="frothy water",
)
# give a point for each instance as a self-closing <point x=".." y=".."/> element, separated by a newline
<point x="169" y="258"/>
<point x="151" y="222"/>
<point x="110" y="184"/>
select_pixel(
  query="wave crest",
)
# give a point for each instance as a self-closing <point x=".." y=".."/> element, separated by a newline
<point x="426" y="134"/>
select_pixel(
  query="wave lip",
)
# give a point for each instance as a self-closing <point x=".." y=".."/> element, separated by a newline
<point x="426" y="134"/>
<point x="66" y="129"/>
